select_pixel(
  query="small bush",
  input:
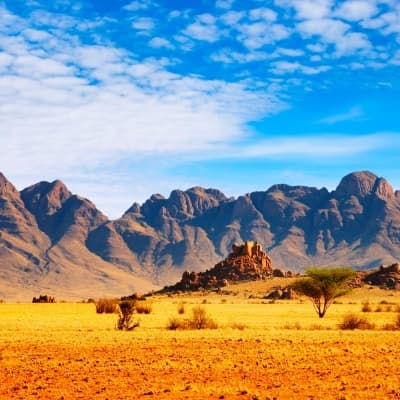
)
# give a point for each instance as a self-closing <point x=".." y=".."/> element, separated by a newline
<point x="366" y="307"/>
<point x="388" y="309"/>
<point x="106" y="306"/>
<point x="181" y="308"/>
<point x="127" y="309"/>
<point x="352" y="321"/>
<point x="239" y="325"/>
<point x="175" y="323"/>
<point x="395" y="326"/>
<point x="378" y="309"/>
<point x="296" y="326"/>
<point x="200" y="320"/>
<point x="144" y="307"/>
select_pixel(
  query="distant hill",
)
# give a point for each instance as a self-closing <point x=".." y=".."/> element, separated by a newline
<point x="55" y="242"/>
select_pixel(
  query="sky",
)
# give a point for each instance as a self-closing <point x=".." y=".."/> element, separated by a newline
<point x="122" y="99"/>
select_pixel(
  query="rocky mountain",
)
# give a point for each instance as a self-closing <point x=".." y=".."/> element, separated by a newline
<point x="54" y="241"/>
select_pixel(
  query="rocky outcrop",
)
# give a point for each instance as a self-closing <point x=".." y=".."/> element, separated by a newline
<point x="387" y="277"/>
<point x="245" y="262"/>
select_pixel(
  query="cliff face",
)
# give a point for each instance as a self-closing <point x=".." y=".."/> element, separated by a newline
<point x="51" y="238"/>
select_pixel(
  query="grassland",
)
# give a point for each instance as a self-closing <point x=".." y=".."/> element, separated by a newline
<point x="261" y="350"/>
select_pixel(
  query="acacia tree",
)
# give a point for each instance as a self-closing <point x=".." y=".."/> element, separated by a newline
<point x="323" y="285"/>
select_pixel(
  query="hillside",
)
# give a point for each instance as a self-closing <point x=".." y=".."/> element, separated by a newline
<point x="54" y="241"/>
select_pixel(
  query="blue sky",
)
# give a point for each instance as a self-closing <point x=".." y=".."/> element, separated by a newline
<point x="121" y="99"/>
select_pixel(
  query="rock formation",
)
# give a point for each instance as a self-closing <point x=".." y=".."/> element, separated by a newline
<point x="245" y="262"/>
<point x="387" y="277"/>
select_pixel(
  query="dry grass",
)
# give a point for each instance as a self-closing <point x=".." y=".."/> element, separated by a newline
<point x="68" y="351"/>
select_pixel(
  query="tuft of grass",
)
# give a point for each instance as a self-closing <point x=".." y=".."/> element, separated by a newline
<point x="201" y="320"/>
<point x="181" y="308"/>
<point x="238" y="325"/>
<point x="353" y="321"/>
<point x="107" y="306"/>
<point x="378" y="309"/>
<point x="366" y="307"/>
<point x="395" y="326"/>
<point x="175" y="323"/>
<point x="144" y="307"/>
<point x="198" y="320"/>
<point x="296" y="326"/>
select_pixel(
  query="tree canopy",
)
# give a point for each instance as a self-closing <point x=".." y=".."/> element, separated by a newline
<point x="323" y="285"/>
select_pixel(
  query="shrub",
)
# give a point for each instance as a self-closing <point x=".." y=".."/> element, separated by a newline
<point x="106" y="306"/>
<point x="238" y="325"/>
<point x="200" y="320"/>
<point x="388" y="309"/>
<point x="127" y="309"/>
<point x="352" y="321"/>
<point x="366" y="307"/>
<point x="144" y="307"/>
<point x="296" y="326"/>
<point x="378" y="309"/>
<point x="175" y="323"/>
<point x="395" y="326"/>
<point x="181" y="308"/>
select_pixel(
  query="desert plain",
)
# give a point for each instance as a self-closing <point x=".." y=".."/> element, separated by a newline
<point x="261" y="349"/>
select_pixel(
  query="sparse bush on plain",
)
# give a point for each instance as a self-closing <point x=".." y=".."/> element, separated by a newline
<point x="395" y="326"/>
<point x="378" y="309"/>
<point x="107" y="306"/>
<point x="175" y="323"/>
<point x="125" y="319"/>
<point x="181" y="308"/>
<point x="198" y="320"/>
<point x="296" y="326"/>
<point x="366" y="307"/>
<point x="144" y="307"/>
<point x="241" y="326"/>
<point x="353" y="321"/>
<point x="201" y="320"/>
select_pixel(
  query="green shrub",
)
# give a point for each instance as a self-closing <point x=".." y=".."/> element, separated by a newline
<point x="107" y="306"/>
<point x="352" y="321"/>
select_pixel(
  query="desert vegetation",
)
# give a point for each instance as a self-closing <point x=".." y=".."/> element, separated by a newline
<point x="255" y="349"/>
<point x="323" y="286"/>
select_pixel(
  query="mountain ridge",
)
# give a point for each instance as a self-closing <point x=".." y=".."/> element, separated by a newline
<point x="51" y="239"/>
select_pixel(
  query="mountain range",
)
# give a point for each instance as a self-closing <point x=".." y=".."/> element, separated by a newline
<point x="56" y="242"/>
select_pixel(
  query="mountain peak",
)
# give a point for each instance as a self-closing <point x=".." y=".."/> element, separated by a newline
<point x="6" y="187"/>
<point x="363" y="184"/>
<point x="360" y="184"/>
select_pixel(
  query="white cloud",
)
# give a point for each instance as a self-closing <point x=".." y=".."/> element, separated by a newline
<point x="224" y="4"/>
<point x="232" y="17"/>
<point x="159" y="43"/>
<point x="309" y="9"/>
<point x="320" y="146"/>
<point x="286" y="67"/>
<point x="356" y="10"/>
<point x="263" y="13"/>
<point x="350" y="115"/>
<point x="143" y="24"/>
<point x="258" y="34"/>
<point x="204" y="28"/>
